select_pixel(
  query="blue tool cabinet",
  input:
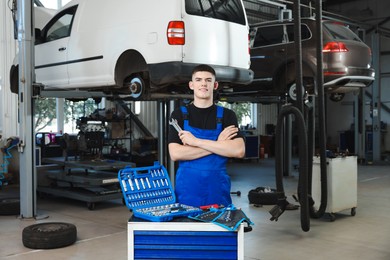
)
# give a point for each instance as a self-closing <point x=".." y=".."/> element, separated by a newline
<point x="183" y="240"/>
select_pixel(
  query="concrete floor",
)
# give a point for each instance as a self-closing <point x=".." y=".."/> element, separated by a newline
<point x="102" y="232"/>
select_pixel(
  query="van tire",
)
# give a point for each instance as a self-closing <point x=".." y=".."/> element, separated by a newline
<point x="49" y="235"/>
<point x="9" y="206"/>
<point x="14" y="79"/>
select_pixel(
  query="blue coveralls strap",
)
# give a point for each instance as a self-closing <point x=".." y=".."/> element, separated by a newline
<point x="203" y="181"/>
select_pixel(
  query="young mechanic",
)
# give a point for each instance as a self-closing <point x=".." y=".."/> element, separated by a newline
<point x="209" y="137"/>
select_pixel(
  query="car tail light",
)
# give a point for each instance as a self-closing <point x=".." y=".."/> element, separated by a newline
<point x="335" y="47"/>
<point x="176" y="33"/>
<point x="333" y="73"/>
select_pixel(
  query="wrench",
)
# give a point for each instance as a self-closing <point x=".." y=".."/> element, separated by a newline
<point x="173" y="122"/>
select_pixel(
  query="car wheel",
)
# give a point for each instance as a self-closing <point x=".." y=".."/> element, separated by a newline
<point x="9" y="206"/>
<point x="336" y="97"/>
<point x="136" y="87"/>
<point x="292" y="91"/>
<point x="49" y="235"/>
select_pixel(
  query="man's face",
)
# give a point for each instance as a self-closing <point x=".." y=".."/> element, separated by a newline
<point x="203" y="84"/>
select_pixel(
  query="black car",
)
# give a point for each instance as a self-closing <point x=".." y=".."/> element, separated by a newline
<point x="346" y="59"/>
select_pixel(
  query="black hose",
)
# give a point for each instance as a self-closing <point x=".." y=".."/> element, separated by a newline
<point x="303" y="167"/>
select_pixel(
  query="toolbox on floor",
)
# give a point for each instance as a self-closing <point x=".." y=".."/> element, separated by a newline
<point x="148" y="192"/>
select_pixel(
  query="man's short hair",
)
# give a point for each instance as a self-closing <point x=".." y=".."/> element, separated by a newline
<point x="203" y="67"/>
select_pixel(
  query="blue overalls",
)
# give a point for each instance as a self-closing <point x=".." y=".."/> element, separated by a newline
<point x="203" y="181"/>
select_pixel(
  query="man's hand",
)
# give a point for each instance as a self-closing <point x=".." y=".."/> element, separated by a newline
<point x="187" y="138"/>
<point x="228" y="133"/>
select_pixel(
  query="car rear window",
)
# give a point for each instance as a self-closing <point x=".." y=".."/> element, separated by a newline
<point x="278" y="34"/>
<point x="341" y="32"/>
<point x="227" y="10"/>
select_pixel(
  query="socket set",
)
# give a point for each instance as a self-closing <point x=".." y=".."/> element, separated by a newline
<point x="148" y="192"/>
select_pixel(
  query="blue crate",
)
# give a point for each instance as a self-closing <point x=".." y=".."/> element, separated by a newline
<point x="148" y="192"/>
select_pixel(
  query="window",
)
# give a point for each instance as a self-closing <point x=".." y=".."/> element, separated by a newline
<point x="46" y="114"/>
<point x="305" y="32"/>
<point x="60" y="27"/>
<point x="227" y="10"/>
<point x="54" y="4"/>
<point x="269" y="35"/>
<point x="245" y="112"/>
<point x="339" y="31"/>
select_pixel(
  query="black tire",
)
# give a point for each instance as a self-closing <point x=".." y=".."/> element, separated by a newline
<point x="258" y="196"/>
<point x="336" y="97"/>
<point x="49" y="235"/>
<point x="14" y="79"/>
<point x="91" y="205"/>
<point x="9" y="206"/>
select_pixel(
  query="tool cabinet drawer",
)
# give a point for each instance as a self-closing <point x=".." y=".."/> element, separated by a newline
<point x="183" y="240"/>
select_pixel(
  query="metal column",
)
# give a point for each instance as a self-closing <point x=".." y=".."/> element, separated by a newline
<point x="376" y="100"/>
<point x="161" y="111"/>
<point x="171" y="164"/>
<point x="25" y="37"/>
<point x="164" y="109"/>
<point x="360" y="125"/>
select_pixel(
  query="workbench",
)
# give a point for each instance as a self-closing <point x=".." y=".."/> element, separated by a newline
<point x="90" y="181"/>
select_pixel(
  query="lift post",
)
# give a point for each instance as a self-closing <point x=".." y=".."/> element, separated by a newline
<point x="25" y="35"/>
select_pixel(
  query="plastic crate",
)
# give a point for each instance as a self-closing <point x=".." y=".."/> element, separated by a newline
<point x="148" y="192"/>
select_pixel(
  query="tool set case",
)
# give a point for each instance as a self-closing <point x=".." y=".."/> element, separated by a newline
<point x="148" y="192"/>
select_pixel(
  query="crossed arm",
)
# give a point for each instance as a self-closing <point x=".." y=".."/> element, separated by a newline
<point x="193" y="148"/>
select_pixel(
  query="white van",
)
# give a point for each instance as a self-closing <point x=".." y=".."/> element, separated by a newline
<point x="140" y="47"/>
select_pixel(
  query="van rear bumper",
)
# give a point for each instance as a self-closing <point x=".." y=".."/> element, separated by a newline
<point x="176" y="73"/>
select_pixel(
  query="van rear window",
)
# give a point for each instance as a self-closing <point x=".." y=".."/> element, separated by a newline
<point x="227" y="10"/>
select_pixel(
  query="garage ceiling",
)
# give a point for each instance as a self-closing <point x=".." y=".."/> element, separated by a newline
<point x="372" y="14"/>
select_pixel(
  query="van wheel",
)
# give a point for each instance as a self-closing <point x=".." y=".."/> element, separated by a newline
<point x="136" y="87"/>
<point x="49" y="235"/>
<point x="14" y="79"/>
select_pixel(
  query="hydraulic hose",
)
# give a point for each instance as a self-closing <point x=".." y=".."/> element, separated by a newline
<point x="303" y="167"/>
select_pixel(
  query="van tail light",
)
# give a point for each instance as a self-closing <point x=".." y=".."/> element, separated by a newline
<point x="176" y="33"/>
<point x="335" y="47"/>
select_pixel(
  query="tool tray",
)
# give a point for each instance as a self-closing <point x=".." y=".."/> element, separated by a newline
<point x="148" y="192"/>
